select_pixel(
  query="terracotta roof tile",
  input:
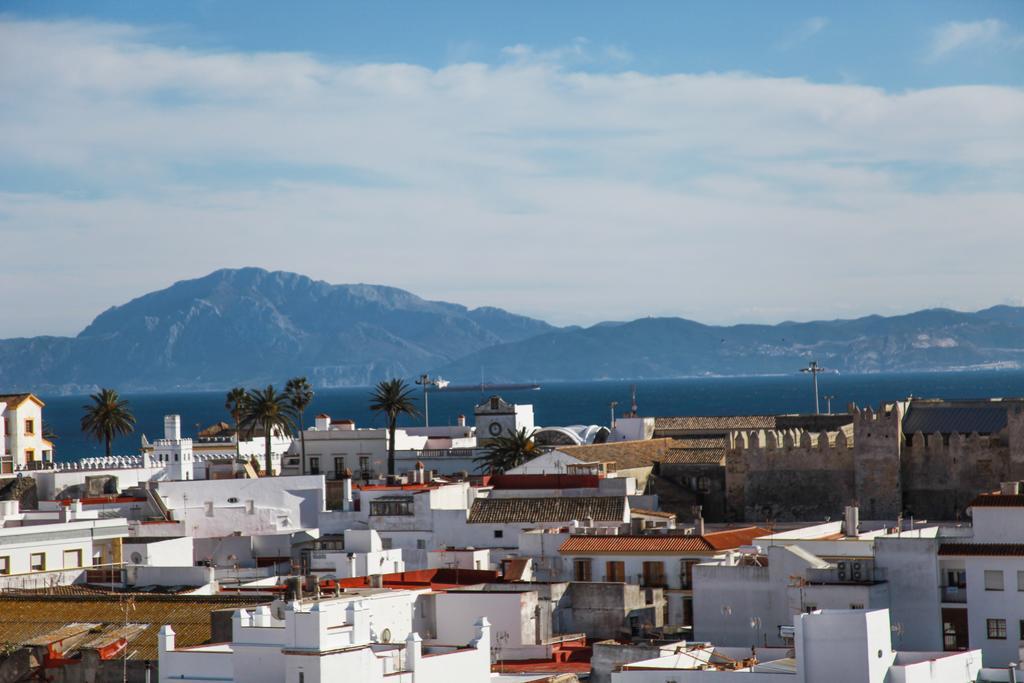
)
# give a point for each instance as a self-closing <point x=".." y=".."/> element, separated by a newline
<point x="714" y="422"/>
<point x="661" y="543"/>
<point x="23" y="617"/>
<point x="558" y="509"/>
<point x="625" y="454"/>
<point x="982" y="549"/>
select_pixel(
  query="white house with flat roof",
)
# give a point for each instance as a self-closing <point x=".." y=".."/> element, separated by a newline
<point x="41" y="549"/>
<point x="333" y="446"/>
<point x="368" y="635"/>
<point x="837" y="646"/>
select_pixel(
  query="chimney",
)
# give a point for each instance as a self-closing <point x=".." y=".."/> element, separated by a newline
<point x="698" y="518"/>
<point x="172" y="427"/>
<point x="322" y="422"/>
<point x="293" y="588"/>
<point x="420" y="476"/>
<point x="1009" y="488"/>
<point x="461" y="421"/>
<point x="852" y="521"/>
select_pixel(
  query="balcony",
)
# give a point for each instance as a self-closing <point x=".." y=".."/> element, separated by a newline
<point x="954" y="594"/>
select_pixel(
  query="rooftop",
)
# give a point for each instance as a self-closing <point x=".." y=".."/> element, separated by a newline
<point x="984" y="416"/>
<point x="27" y="616"/>
<point x="723" y="423"/>
<point x="625" y="454"/>
<point x="982" y="549"/>
<point x="661" y="543"/>
<point x="534" y="510"/>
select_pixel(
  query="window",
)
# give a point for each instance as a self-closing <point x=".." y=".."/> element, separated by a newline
<point x="30" y="426"/>
<point x="854" y="605"/>
<point x="654" y="574"/>
<point x="209" y="508"/>
<point x="387" y="543"/>
<point x="956" y="578"/>
<point x="339" y="465"/>
<point x="30" y="455"/>
<point x="314" y="465"/>
<point x="581" y="569"/>
<point x="72" y="559"/>
<point x="364" y="465"/>
<point x="686" y="573"/>
<point x="390" y="506"/>
<point x="996" y="629"/>
<point x="615" y="571"/>
<point x="1021" y="634"/>
<point x="421" y="544"/>
<point x="37" y="562"/>
<point x="5" y="565"/>
<point x="1020" y="580"/>
<point x="232" y="500"/>
<point x="993" y="579"/>
<point x="498" y="533"/>
<point x="703" y="484"/>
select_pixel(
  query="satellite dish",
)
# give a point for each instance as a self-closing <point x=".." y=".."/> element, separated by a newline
<point x="385" y="636"/>
<point x="136" y="557"/>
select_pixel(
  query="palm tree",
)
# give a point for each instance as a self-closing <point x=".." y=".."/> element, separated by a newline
<point x="300" y="395"/>
<point x="234" y="403"/>
<point x="509" y="450"/>
<point x="393" y="397"/>
<point x="107" y="417"/>
<point x="268" y="410"/>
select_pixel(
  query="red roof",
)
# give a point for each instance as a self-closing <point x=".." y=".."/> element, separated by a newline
<point x="661" y="543"/>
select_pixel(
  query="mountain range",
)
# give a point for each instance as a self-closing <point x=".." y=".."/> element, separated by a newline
<point x="249" y="327"/>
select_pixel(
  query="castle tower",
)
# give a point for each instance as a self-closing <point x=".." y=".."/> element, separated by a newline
<point x="174" y="452"/>
<point x="877" y="451"/>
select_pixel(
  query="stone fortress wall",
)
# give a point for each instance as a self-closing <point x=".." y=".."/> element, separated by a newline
<point x="794" y="474"/>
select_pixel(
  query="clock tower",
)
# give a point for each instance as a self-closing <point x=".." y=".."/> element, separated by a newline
<point x="496" y="417"/>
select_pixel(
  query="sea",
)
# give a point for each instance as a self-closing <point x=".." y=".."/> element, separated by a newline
<point x="555" y="403"/>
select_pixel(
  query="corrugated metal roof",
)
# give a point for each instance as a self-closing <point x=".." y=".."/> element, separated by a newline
<point x="982" y="549"/>
<point x="534" y="510"/>
<point x="997" y="500"/>
<point x="966" y="417"/>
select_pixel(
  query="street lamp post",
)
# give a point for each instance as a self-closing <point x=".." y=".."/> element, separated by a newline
<point x="426" y="381"/>
<point x="814" y="369"/>
<point x="612" y="407"/>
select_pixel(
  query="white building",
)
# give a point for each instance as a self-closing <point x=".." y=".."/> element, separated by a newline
<point x="363" y="555"/>
<point x="40" y="549"/>
<point x="369" y="635"/>
<point x="838" y="646"/>
<point x="21" y="432"/>
<point x="244" y="507"/>
<point x="333" y="446"/>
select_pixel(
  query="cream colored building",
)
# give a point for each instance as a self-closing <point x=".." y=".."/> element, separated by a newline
<point x="22" y="431"/>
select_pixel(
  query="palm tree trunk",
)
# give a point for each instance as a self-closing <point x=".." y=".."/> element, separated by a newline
<point x="266" y="452"/>
<point x="302" y="439"/>
<point x="108" y="444"/>
<point x="392" y="423"/>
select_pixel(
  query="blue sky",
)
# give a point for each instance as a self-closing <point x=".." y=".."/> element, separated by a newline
<point x="728" y="162"/>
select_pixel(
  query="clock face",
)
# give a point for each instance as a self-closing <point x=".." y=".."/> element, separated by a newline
<point x="494" y="429"/>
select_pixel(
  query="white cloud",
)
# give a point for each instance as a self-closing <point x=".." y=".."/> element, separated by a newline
<point x="808" y="29"/>
<point x="958" y="35"/>
<point x="531" y="185"/>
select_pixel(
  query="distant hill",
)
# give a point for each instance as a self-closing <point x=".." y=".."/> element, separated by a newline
<point x="250" y="327"/>
<point x="930" y="340"/>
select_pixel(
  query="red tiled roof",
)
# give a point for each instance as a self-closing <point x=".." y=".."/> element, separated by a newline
<point x="546" y="510"/>
<point x="997" y="500"/>
<point x="661" y="543"/>
<point x="982" y="549"/>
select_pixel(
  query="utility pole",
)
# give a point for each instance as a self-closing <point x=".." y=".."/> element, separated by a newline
<point x="427" y="381"/>
<point x="828" y="403"/>
<point x="612" y="407"/>
<point x="813" y="369"/>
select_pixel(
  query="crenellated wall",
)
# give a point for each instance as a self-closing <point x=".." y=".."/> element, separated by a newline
<point x="799" y="475"/>
<point x="788" y="475"/>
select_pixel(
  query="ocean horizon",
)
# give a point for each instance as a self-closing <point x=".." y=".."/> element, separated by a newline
<point x="556" y="403"/>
